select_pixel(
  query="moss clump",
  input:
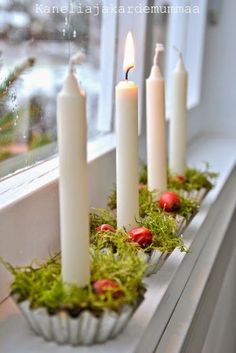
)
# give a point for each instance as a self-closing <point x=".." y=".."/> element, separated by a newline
<point x="43" y="287"/>
<point x="194" y="179"/>
<point x="101" y="216"/>
<point x="187" y="207"/>
<point x="147" y="204"/>
<point x="145" y="200"/>
<point x="163" y="228"/>
<point x="117" y="241"/>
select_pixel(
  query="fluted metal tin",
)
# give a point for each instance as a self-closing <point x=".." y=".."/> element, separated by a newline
<point x="86" y="329"/>
<point x="154" y="260"/>
<point x="196" y="195"/>
<point x="181" y="223"/>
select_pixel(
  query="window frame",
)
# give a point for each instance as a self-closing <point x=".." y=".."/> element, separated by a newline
<point x="108" y="65"/>
<point x="190" y="39"/>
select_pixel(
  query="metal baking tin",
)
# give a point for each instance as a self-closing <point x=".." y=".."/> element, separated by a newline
<point x="196" y="195"/>
<point x="154" y="260"/>
<point x="86" y="329"/>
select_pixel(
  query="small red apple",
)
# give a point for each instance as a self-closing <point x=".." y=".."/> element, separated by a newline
<point x="141" y="235"/>
<point x="169" y="201"/>
<point x="181" y="178"/>
<point x="105" y="228"/>
<point x="102" y="286"/>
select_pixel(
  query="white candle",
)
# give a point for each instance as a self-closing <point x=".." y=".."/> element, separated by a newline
<point x="127" y="145"/>
<point x="178" y="121"/>
<point x="156" y="132"/>
<point x="74" y="208"/>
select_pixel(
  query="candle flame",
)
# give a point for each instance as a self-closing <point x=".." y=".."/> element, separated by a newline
<point x="129" y="53"/>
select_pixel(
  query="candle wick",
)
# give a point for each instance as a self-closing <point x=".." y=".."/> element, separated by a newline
<point x="158" y="49"/>
<point x="178" y="51"/>
<point x="127" y="73"/>
<point x="155" y="60"/>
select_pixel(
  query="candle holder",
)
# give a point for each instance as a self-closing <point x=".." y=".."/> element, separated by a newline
<point x="85" y="329"/>
<point x="154" y="260"/>
<point x="153" y="240"/>
<point x="194" y="185"/>
<point x="68" y="314"/>
<point x="196" y="195"/>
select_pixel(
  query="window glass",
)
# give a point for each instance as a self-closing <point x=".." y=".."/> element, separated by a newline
<point x="36" y="41"/>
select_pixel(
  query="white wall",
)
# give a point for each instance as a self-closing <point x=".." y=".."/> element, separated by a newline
<point x="216" y="113"/>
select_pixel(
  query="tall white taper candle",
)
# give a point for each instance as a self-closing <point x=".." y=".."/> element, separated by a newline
<point x="178" y="120"/>
<point x="74" y="208"/>
<point x="156" y="132"/>
<point x="127" y="145"/>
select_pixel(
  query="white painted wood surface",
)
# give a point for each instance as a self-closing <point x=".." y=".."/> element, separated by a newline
<point x="165" y="289"/>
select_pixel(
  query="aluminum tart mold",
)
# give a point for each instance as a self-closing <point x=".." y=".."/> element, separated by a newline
<point x="85" y="329"/>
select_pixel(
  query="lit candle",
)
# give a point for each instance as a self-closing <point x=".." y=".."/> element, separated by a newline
<point x="127" y="144"/>
<point x="178" y="119"/>
<point x="156" y="132"/>
<point x="73" y="183"/>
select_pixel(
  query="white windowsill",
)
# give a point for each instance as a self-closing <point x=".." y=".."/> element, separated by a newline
<point x="146" y="330"/>
<point x="23" y="183"/>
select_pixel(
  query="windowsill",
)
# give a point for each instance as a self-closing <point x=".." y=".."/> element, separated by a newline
<point x="166" y="289"/>
<point x="24" y="182"/>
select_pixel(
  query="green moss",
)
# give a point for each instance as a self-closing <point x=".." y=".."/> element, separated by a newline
<point x="187" y="207"/>
<point x="194" y="179"/>
<point x="101" y="216"/>
<point x="116" y="241"/>
<point x="163" y="228"/>
<point x="162" y="225"/>
<point x="43" y="287"/>
<point x="145" y="200"/>
<point x="147" y="204"/>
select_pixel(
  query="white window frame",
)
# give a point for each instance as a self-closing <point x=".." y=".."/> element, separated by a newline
<point x="108" y="65"/>
<point x="189" y="38"/>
